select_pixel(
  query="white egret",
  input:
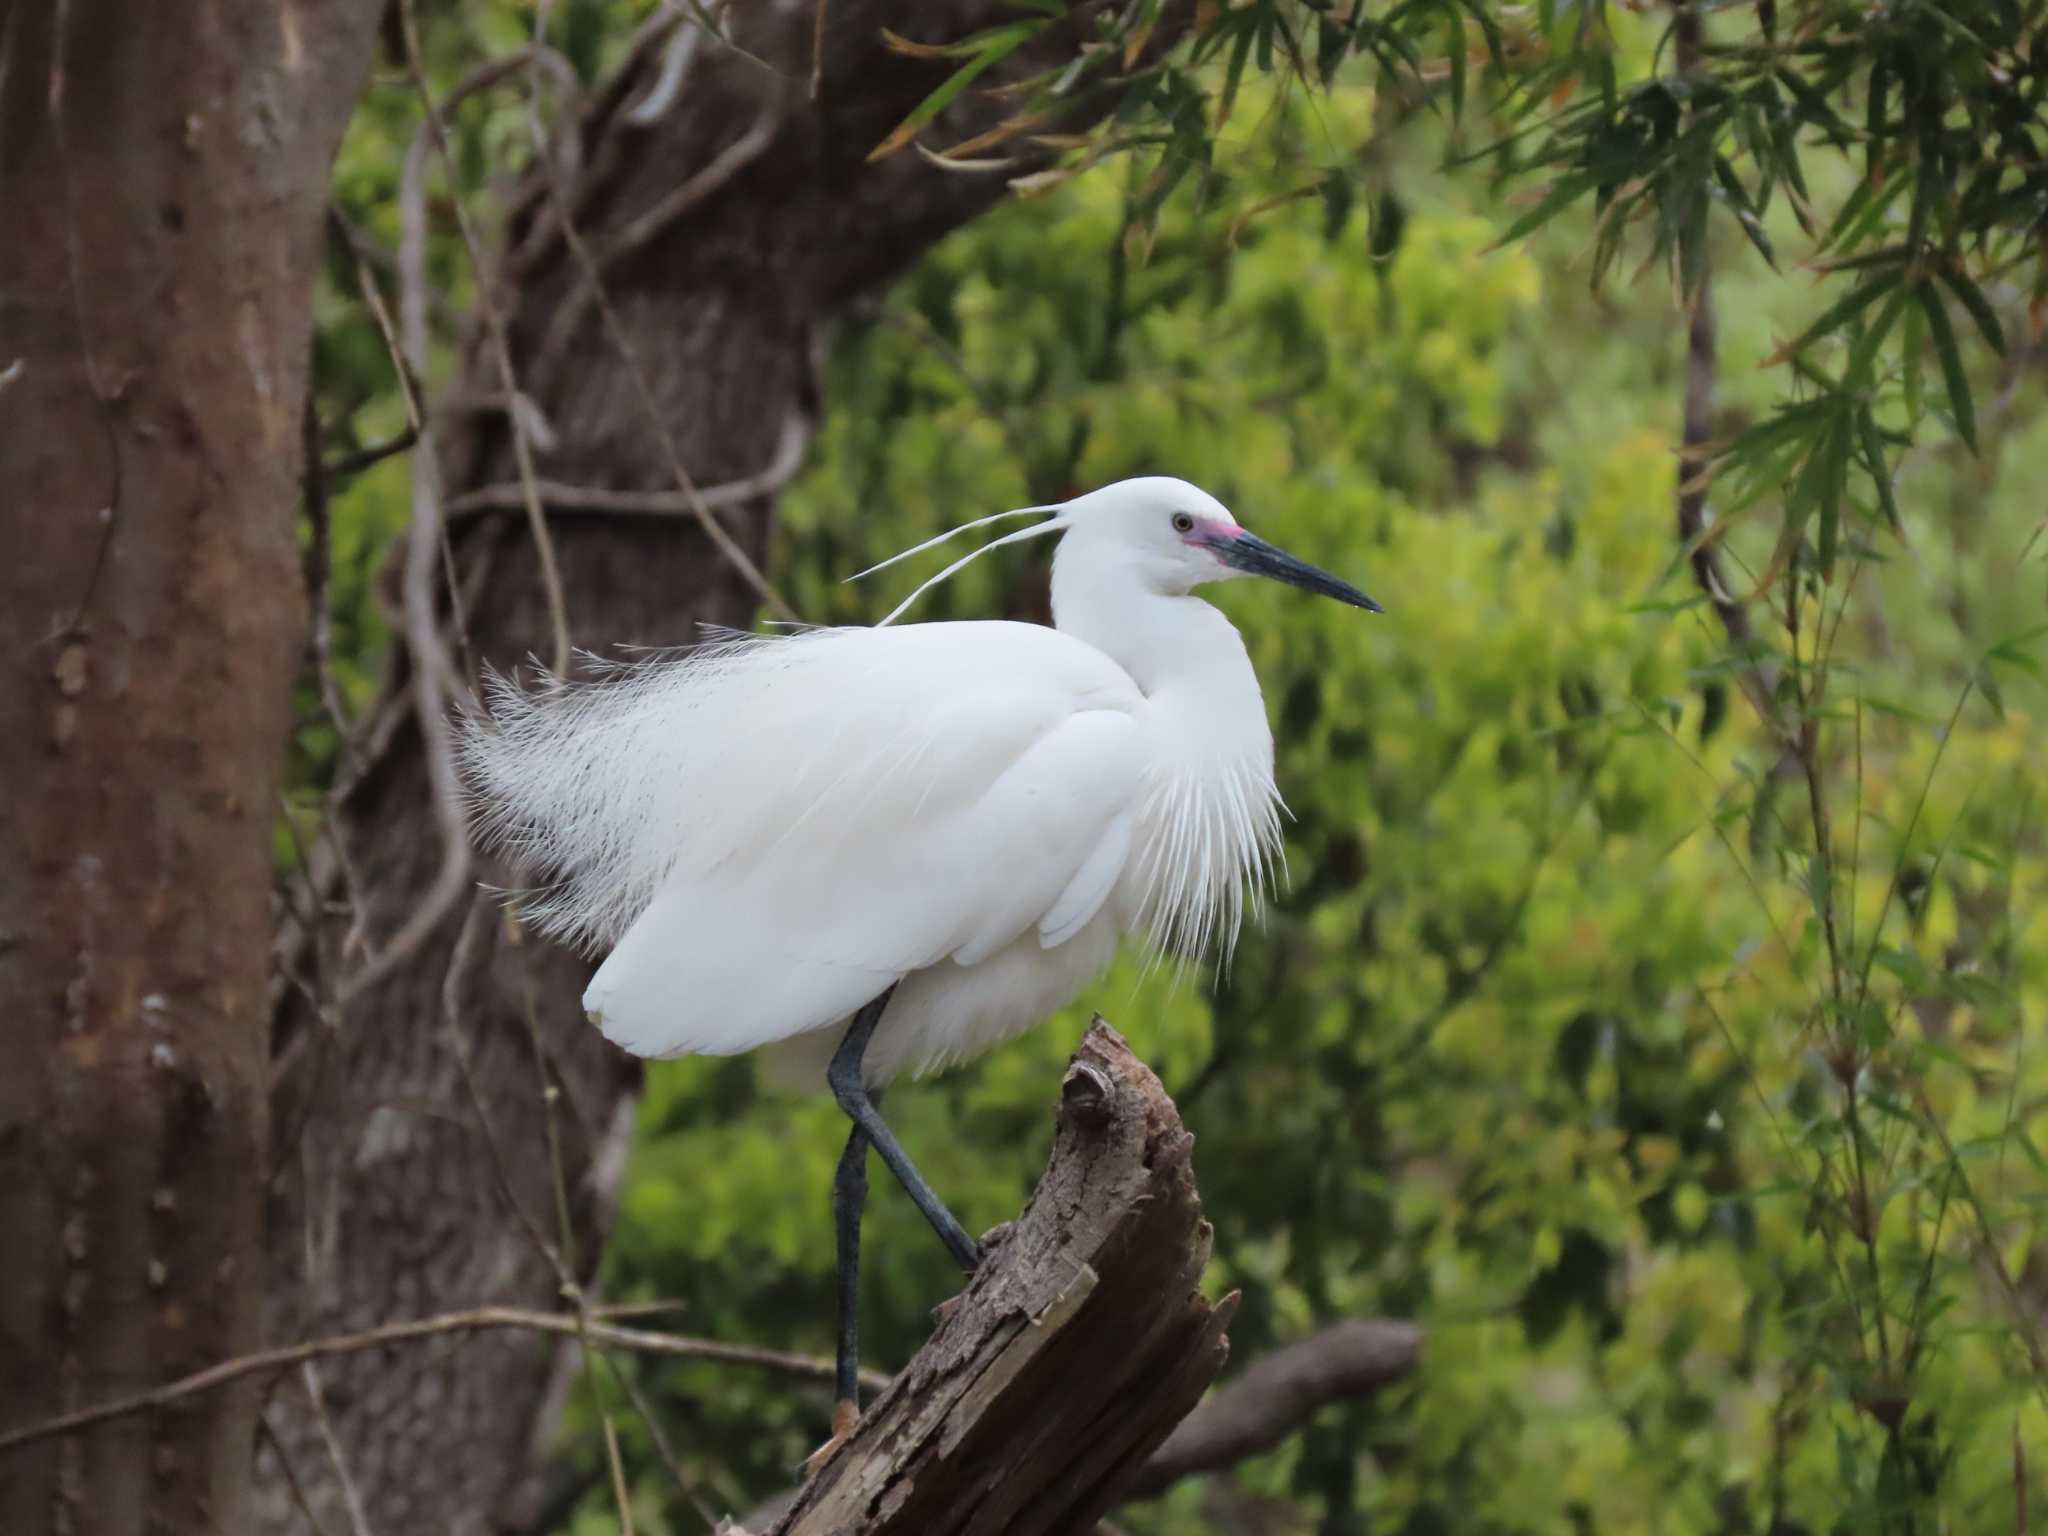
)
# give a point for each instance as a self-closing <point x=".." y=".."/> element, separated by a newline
<point x="888" y="848"/>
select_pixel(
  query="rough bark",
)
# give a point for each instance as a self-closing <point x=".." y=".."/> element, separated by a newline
<point x="162" y="170"/>
<point x="393" y="1201"/>
<point x="1268" y="1401"/>
<point x="1077" y="1347"/>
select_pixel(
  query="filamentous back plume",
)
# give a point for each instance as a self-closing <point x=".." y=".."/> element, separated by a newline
<point x="601" y="788"/>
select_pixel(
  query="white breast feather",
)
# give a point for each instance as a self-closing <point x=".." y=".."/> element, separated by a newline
<point x="1210" y="835"/>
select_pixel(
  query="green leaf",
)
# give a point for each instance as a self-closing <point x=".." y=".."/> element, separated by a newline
<point x="1873" y="461"/>
<point x="1563" y="192"/>
<point x="1851" y="304"/>
<point x="2012" y="651"/>
<point x="1952" y="375"/>
<point x="1913" y="344"/>
<point x="992" y="47"/>
<point x="1234" y="75"/>
<point x="1994" y="694"/>
<point x="1832" y="453"/>
<point x="1454" y="46"/>
<point x="1489" y="29"/>
<point x="1873" y="119"/>
<point x="1973" y="300"/>
<point x="1863" y="355"/>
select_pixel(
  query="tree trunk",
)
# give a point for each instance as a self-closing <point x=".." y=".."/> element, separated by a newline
<point x="162" y="171"/>
<point x="732" y="215"/>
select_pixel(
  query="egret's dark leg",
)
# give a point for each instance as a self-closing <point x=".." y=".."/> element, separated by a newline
<point x="849" y="1199"/>
<point x="845" y="1077"/>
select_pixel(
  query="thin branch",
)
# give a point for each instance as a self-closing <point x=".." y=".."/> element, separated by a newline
<point x="1279" y="1393"/>
<point x="676" y="58"/>
<point x="620" y="1498"/>
<point x="693" y="193"/>
<point x="367" y="458"/>
<point x="293" y="1486"/>
<point x="363" y="257"/>
<point x="818" y="52"/>
<point x="451" y="1019"/>
<point x="591" y="290"/>
<point x="351" y="1495"/>
<point x="561" y="497"/>
<point x="433" y="671"/>
<point x="435" y="676"/>
<point x="472" y="1320"/>
<point x="651" y="1421"/>
<point x="435" y="130"/>
<point x="319" y="566"/>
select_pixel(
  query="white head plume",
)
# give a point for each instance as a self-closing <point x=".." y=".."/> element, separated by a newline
<point x="1055" y="522"/>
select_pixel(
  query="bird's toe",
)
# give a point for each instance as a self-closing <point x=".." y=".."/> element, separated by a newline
<point x="845" y="1419"/>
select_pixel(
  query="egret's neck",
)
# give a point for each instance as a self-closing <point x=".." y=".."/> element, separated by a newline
<point x="1174" y="647"/>
<point x="1209" y="820"/>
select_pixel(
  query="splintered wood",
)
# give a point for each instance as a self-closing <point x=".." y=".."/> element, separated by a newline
<point x="1075" y="1350"/>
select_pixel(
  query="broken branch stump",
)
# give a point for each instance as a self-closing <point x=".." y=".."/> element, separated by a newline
<point x="1076" y="1348"/>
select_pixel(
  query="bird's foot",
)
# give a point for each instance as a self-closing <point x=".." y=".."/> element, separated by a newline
<point x="845" y="1418"/>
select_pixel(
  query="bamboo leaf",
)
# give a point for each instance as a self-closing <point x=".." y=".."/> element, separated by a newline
<point x="1454" y="46"/>
<point x="1980" y="309"/>
<point x="1863" y="356"/>
<point x="992" y="48"/>
<point x="1834" y="471"/>
<point x="1846" y="308"/>
<point x="1563" y="192"/>
<point x="1953" y="378"/>
<point x="1873" y="460"/>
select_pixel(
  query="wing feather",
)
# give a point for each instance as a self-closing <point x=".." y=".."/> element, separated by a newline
<point x="769" y="835"/>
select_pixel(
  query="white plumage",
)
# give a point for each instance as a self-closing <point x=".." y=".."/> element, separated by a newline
<point x="766" y="834"/>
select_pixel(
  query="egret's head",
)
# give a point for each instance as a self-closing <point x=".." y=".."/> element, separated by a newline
<point x="1174" y="536"/>
<point x="1168" y="535"/>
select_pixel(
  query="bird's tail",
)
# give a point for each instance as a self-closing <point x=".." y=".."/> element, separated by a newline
<point x="577" y="782"/>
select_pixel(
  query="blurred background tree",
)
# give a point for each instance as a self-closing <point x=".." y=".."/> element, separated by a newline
<point x="1648" y="1013"/>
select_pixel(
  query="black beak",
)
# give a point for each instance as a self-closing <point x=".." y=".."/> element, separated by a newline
<point x="1251" y="554"/>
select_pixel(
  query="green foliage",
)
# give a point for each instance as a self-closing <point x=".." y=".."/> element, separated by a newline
<point x="1539" y="1045"/>
<point x="1656" y="121"/>
<point x="1656" y="1020"/>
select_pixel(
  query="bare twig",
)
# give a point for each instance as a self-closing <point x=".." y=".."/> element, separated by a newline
<point x="676" y="58"/>
<point x="662" y="1449"/>
<point x="592" y="286"/>
<point x="366" y="458"/>
<point x="780" y="471"/>
<point x="433" y="671"/>
<point x="724" y="165"/>
<point x="319" y="567"/>
<point x="435" y="675"/>
<point x="434" y="130"/>
<point x="293" y="1486"/>
<point x="818" y="52"/>
<point x="451" y="1019"/>
<point x="472" y="1320"/>
<point x="619" y="1496"/>
<point x="1278" y="1394"/>
<point x="351" y="1496"/>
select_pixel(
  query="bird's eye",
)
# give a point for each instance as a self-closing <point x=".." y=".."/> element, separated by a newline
<point x="1183" y="523"/>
